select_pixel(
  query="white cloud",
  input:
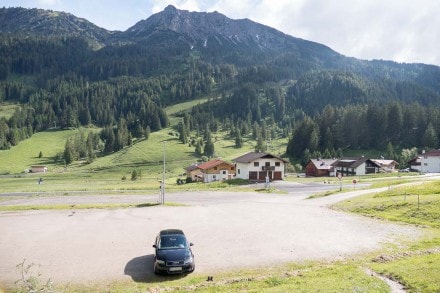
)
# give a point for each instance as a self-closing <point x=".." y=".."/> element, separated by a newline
<point x="48" y="2"/>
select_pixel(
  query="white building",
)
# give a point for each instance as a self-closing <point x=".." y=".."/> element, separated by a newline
<point x="256" y="166"/>
<point x="355" y="166"/>
<point x="430" y="162"/>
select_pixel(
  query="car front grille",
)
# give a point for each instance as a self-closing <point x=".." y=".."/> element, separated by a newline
<point x="174" y="263"/>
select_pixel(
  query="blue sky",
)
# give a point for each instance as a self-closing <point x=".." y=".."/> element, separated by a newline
<point x="398" y="30"/>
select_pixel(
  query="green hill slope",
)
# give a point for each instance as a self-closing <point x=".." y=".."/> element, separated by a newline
<point x="25" y="154"/>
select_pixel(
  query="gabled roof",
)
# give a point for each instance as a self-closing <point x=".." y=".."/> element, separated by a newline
<point x="191" y="168"/>
<point x="385" y="163"/>
<point x="433" y="153"/>
<point x="254" y="156"/>
<point x="211" y="164"/>
<point x="416" y="161"/>
<point x="323" y="164"/>
<point x="206" y="165"/>
<point x="352" y="162"/>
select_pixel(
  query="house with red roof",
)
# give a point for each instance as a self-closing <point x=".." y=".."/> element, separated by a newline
<point x="214" y="170"/>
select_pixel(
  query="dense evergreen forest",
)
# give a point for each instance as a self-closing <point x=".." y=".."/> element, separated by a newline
<point x="322" y="102"/>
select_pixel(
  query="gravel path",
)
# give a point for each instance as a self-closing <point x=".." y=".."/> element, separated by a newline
<point x="229" y="230"/>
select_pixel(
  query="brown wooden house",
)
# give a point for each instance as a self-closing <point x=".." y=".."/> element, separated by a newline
<point x="320" y="167"/>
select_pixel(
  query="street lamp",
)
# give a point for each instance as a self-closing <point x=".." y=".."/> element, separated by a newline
<point x="163" y="175"/>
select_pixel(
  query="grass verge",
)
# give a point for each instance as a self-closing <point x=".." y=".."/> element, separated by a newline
<point x="309" y="277"/>
<point x="416" y="266"/>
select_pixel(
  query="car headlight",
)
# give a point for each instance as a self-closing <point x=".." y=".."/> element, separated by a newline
<point x="161" y="262"/>
<point x="188" y="259"/>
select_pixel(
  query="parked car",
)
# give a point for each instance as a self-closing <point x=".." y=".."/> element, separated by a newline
<point x="173" y="254"/>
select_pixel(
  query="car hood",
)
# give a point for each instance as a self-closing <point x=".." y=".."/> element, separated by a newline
<point x="172" y="254"/>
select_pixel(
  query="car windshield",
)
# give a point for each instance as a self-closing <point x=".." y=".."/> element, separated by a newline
<point x="172" y="242"/>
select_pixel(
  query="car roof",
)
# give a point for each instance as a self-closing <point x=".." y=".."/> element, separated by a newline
<point x="171" y="232"/>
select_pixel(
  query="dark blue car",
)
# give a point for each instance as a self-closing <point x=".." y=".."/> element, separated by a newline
<point x="173" y="254"/>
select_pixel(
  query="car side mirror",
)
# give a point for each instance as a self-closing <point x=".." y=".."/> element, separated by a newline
<point x="154" y="245"/>
<point x="191" y="244"/>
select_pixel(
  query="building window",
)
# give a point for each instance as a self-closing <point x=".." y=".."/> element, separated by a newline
<point x="224" y="172"/>
<point x="215" y="168"/>
<point x="256" y="164"/>
<point x="238" y="171"/>
<point x="232" y="168"/>
<point x="267" y="164"/>
<point x="425" y="164"/>
<point x="277" y="164"/>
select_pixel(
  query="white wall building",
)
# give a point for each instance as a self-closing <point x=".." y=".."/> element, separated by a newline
<point x="355" y="166"/>
<point x="256" y="166"/>
<point x="430" y="162"/>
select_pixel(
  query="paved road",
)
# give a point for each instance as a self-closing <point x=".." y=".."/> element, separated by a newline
<point x="229" y="229"/>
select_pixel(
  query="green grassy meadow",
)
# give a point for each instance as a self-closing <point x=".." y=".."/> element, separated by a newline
<point x="106" y="172"/>
<point x="20" y="157"/>
<point x="416" y="266"/>
<point x="8" y="109"/>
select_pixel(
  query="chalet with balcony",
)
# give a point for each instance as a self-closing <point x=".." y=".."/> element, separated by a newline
<point x="355" y="166"/>
<point x="256" y="166"/>
<point x="214" y="170"/>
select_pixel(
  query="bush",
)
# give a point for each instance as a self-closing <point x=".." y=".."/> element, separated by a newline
<point x="29" y="282"/>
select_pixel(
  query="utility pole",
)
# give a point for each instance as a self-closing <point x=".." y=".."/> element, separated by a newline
<point x="163" y="175"/>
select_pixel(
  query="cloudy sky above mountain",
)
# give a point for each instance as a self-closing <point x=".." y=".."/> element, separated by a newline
<point x="399" y="30"/>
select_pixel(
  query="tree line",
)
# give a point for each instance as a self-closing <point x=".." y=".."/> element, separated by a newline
<point x="61" y="82"/>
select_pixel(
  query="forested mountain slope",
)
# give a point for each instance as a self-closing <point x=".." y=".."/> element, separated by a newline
<point x="67" y="72"/>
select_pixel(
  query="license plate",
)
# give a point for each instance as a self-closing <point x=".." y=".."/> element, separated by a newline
<point x="175" y="269"/>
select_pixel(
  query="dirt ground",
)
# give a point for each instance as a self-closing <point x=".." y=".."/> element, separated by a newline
<point x="229" y="230"/>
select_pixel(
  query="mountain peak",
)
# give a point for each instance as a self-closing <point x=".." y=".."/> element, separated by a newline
<point x="170" y="8"/>
<point x="201" y="30"/>
<point x="23" y="21"/>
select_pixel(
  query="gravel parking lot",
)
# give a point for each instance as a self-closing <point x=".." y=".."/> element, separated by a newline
<point x="229" y="230"/>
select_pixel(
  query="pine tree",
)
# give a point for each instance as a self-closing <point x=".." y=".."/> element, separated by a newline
<point x="198" y="149"/>
<point x="391" y="155"/>
<point x="209" y="149"/>
<point x="260" y="146"/>
<point x="183" y="132"/>
<point x="430" y="138"/>
<point x="68" y="154"/>
<point x="238" y="139"/>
